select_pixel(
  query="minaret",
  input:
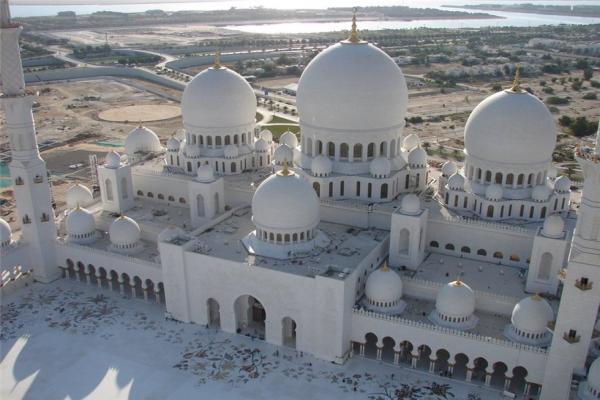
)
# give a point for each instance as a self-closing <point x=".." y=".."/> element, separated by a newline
<point x="581" y="291"/>
<point x="27" y="169"/>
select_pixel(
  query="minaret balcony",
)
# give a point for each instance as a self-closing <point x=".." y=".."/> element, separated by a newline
<point x="571" y="337"/>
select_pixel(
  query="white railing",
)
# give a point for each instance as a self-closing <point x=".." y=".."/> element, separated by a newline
<point x="449" y="331"/>
<point x="486" y="224"/>
<point x="130" y="259"/>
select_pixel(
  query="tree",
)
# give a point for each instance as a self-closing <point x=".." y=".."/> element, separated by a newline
<point x="581" y="127"/>
<point x="565" y="120"/>
<point x="588" y="73"/>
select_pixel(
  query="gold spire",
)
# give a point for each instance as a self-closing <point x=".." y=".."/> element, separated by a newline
<point x="536" y="297"/>
<point x="385" y="267"/>
<point x="516" y="86"/>
<point x="354" y="32"/>
<point x="217" y="63"/>
<point x="285" y="171"/>
<point x="78" y="207"/>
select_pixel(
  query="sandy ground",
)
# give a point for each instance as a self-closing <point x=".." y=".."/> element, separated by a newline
<point x="68" y="340"/>
<point x="143" y="113"/>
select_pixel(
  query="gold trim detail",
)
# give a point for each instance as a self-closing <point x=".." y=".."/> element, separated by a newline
<point x="217" y="63"/>
<point x="516" y="86"/>
<point x="354" y="32"/>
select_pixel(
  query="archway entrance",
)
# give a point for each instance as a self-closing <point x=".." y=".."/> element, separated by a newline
<point x="288" y="327"/>
<point x="214" y="315"/>
<point x="250" y="316"/>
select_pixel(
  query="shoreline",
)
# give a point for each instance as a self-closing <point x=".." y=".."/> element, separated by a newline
<point x="519" y="10"/>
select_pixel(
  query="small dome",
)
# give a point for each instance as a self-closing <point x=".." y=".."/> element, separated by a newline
<point x="417" y="157"/>
<point x="380" y="167"/>
<point x="231" y="151"/>
<point x="494" y="192"/>
<point x="449" y="168"/>
<point x="266" y="135"/>
<point x="321" y="165"/>
<point x="205" y="173"/>
<point x="245" y="149"/>
<point x="261" y="145"/>
<point x="532" y="314"/>
<point x="410" y="142"/>
<point x="553" y="227"/>
<point x="562" y="184"/>
<point x="541" y="193"/>
<point x="173" y="144"/>
<point x="217" y="98"/>
<point x="456" y="299"/>
<point x="285" y="203"/>
<point x="112" y="160"/>
<point x="5" y="233"/>
<point x="78" y="194"/>
<point x="169" y="233"/>
<point x="383" y="287"/>
<point x="290" y="139"/>
<point x="283" y="153"/>
<point x="411" y="204"/>
<point x="142" y="139"/>
<point x="190" y="150"/>
<point x="456" y="182"/>
<point x="124" y="232"/>
<point x="593" y="376"/>
<point x="80" y="222"/>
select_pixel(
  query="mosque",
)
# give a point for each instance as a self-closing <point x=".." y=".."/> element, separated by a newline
<point x="341" y="243"/>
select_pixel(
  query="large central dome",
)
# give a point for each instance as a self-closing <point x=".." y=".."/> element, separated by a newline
<point x="218" y="98"/>
<point x="511" y="127"/>
<point x="352" y="86"/>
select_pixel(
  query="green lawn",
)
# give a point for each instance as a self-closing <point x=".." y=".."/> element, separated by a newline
<point x="279" y="120"/>
<point x="278" y="130"/>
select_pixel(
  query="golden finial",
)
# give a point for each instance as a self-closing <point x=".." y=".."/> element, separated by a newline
<point x="285" y="171"/>
<point x="140" y="124"/>
<point x="385" y="267"/>
<point x="536" y="297"/>
<point x="78" y="207"/>
<point x="458" y="282"/>
<point x="516" y="86"/>
<point x="217" y="63"/>
<point x="354" y="32"/>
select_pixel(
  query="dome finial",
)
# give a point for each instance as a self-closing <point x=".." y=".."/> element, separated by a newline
<point x="516" y="86"/>
<point x="354" y="32"/>
<point x="385" y="267"/>
<point x="217" y="63"/>
<point x="285" y="171"/>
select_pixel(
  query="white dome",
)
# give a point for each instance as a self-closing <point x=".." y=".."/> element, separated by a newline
<point x="417" y="157"/>
<point x="352" y="87"/>
<point x="553" y="227"/>
<point x="494" y="192"/>
<point x="78" y="194"/>
<point x="285" y="202"/>
<point x="80" y="221"/>
<point x="173" y="144"/>
<point x="124" y="231"/>
<point x="290" y="139"/>
<point x="190" y="150"/>
<point x="541" y="193"/>
<point x="593" y="376"/>
<point x="384" y="286"/>
<point x="411" y="141"/>
<point x="142" y="139"/>
<point x="380" y="167"/>
<point x="532" y="314"/>
<point x="511" y="128"/>
<point x="169" y="233"/>
<point x="321" y="165"/>
<point x="5" y="233"/>
<point x="456" y="299"/>
<point x="283" y="153"/>
<point x="218" y="98"/>
<point x="266" y="135"/>
<point x="411" y="204"/>
<point x="231" y="151"/>
<point x="562" y="184"/>
<point x="205" y="173"/>
<point x="261" y="145"/>
<point x="449" y="168"/>
<point x="112" y="160"/>
<point x="456" y="182"/>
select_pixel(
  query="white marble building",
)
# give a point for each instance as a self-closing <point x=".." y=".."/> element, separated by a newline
<point x="351" y="248"/>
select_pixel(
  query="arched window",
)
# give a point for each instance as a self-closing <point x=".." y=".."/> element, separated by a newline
<point x="449" y="246"/>
<point x="383" y="148"/>
<point x="488" y="176"/>
<point x="358" y="151"/>
<point x="171" y="198"/>
<point x="233" y="167"/>
<point x="161" y="196"/>
<point x="182" y="200"/>
<point x="341" y="188"/>
<point x="465" y="249"/>
<point x="189" y="166"/>
<point x="490" y="212"/>
<point x="331" y="149"/>
<point x="499" y="178"/>
<point x="319" y="147"/>
<point x="482" y="252"/>
<point x="317" y="188"/>
<point x="384" y="191"/>
<point x="140" y="193"/>
<point x="108" y="189"/>
<point x="434" y="243"/>
<point x="209" y="141"/>
<point x="515" y="258"/>
<point x="370" y="150"/>
<point x="150" y="195"/>
<point x="358" y="189"/>
<point x="543" y="212"/>
<point x="330" y="189"/>
<point x="236" y="139"/>
<point x="227" y="140"/>
<point x="344" y="151"/>
<point x="218" y="141"/>
<point x="369" y="190"/>
<point x="520" y="179"/>
<point x="498" y="254"/>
